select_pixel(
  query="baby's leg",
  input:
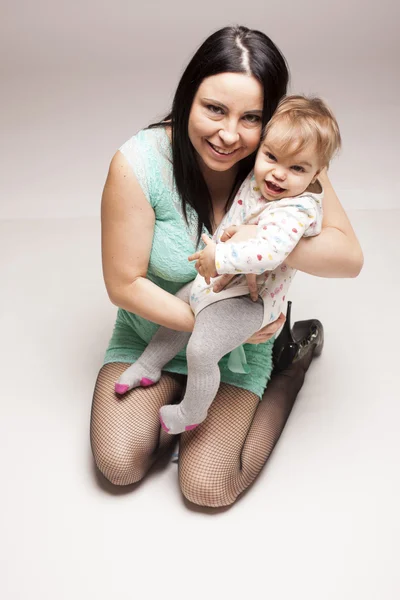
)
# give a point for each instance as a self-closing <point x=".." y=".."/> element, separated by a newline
<point x="220" y="328"/>
<point x="164" y="345"/>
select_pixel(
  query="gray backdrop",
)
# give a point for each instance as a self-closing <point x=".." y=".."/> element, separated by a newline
<point x="78" y="79"/>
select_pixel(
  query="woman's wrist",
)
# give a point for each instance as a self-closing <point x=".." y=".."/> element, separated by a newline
<point x="147" y="300"/>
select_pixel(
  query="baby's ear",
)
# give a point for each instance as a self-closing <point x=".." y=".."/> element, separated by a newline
<point x="314" y="179"/>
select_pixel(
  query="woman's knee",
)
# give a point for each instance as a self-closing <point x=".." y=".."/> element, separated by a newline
<point x="125" y="435"/>
<point x="121" y="465"/>
<point x="123" y="451"/>
<point x="205" y="488"/>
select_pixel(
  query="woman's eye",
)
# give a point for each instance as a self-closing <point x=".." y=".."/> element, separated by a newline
<point x="253" y="119"/>
<point x="216" y="110"/>
<point x="298" y="169"/>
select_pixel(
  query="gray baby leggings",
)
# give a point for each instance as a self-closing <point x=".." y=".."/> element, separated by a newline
<point x="219" y="328"/>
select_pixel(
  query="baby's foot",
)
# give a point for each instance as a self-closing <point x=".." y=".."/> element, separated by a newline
<point x="173" y="421"/>
<point x="137" y="375"/>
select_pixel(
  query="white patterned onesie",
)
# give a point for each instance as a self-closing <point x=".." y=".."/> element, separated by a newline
<point x="281" y="224"/>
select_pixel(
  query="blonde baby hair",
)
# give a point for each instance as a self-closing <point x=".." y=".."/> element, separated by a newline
<point x="300" y="120"/>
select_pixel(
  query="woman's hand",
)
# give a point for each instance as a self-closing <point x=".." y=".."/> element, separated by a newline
<point x="251" y="284"/>
<point x="239" y="233"/>
<point x="267" y="332"/>
<point x="205" y="264"/>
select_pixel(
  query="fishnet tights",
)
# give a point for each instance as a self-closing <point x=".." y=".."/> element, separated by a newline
<point x="219" y="459"/>
<point x="125" y="433"/>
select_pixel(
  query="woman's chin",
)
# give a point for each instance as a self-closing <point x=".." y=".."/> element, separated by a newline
<point x="214" y="165"/>
<point x="221" y="168"/>
<point x="220" y="162"/>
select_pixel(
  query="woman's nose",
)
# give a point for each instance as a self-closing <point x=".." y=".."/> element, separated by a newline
<point x="229" y="136"/>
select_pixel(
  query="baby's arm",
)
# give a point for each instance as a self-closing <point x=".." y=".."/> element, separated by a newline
<point x="278" y="232"/>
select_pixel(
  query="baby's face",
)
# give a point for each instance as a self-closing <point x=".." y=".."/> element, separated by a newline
<point x="283" y="176"/>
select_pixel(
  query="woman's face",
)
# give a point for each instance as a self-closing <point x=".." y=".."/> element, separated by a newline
<point x="225" y="119"/>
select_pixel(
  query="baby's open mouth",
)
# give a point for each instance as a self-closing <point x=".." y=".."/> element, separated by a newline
<point x="275" y="189"/>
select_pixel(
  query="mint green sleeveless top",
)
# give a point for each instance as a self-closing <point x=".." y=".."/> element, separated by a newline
<point x="149" y="153"/>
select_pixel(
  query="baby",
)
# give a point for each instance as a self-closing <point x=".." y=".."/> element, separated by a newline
<point x="283" y="198"/>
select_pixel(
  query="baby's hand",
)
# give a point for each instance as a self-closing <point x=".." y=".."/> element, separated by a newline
<point x="205" y="264"/>
<point x="237" y="234"/>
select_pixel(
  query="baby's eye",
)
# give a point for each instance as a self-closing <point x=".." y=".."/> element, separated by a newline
<point x="298" y="169"/>
<point x="216" y="110"/>
<point x="270" y="156"/>
<point x="253" y="119"/>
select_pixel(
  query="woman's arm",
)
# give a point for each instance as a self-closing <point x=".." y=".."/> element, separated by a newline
<point x="335" y="252"/>
<point x="127" y="227"/>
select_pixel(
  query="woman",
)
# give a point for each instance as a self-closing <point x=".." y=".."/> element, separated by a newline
<point x="165" y="187"/>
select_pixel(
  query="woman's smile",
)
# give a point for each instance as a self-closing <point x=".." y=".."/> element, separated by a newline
<point x="221" y="152"/>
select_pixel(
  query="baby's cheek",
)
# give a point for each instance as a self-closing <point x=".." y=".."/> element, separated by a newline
<point x="258" y="174"/>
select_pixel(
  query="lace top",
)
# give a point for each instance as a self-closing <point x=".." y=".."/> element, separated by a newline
<point x="150" y="155"/>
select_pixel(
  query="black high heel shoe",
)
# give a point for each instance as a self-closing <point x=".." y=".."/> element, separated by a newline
<point x="293" y="344"/>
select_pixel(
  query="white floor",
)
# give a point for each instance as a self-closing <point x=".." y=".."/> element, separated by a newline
<point x="321" y="521"/>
